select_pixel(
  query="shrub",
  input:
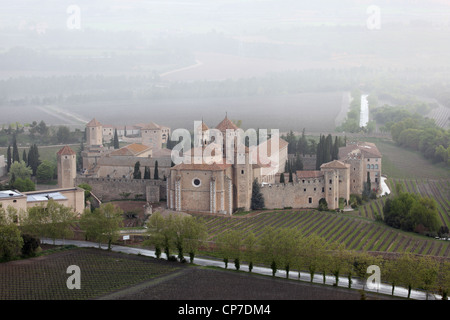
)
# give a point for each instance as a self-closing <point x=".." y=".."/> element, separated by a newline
<point x="30" y="245"/>
<point x="323" y="205"/>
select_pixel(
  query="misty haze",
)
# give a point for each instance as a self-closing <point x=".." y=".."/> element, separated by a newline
<point x="91" y="91"/>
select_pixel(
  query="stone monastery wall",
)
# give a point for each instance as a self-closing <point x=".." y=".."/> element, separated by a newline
<point x="293" y="194"/>
<point x="111" y="189"/>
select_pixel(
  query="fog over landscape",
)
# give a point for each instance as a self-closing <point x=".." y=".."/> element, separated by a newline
<point x="355" y="189"/>
<point x="284" y="63"/>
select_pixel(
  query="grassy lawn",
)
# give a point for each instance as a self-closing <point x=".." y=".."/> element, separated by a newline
<point x="407" y="164"/>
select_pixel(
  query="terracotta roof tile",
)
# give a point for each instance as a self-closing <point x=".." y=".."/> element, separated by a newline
<point x="335" y="164"/>
<point x="368" y="149"/>
<point x="130" y="150"/>
<point x="151" y="126"/>
<point x="93" y="123"/>
<point x="226" y="124"/>
<point x="65" y="151"/>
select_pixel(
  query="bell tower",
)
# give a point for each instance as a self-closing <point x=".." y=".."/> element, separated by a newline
<point x="67" y="167"/>
<point x="94" y="141"/>
<point x="94" y="133"/>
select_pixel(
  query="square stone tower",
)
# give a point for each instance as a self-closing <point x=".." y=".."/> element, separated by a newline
<point x="94" y="133"/>
<point x="67" y="167"/>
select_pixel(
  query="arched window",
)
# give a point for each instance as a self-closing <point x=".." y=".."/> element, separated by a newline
<point x="376" y="166"/>
<point x="368" y="166"/>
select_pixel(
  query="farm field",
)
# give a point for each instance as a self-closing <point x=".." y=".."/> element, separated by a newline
<point x="441" y="116"/>
<point x="112" y="275"/>
<point x="44" y="278"/>
<point x="401" y="163"/>
<point x="355" y="232"/>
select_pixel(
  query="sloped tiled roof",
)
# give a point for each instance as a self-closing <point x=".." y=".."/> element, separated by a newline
<point x="204" y="126"/>
<point x="151" y="126"/>
<point x="335" y="164"/>
<point x="93" y="123"/>
<point x="226" y="124"/>
<point x="66" y="151"/>
<point x="133" y="149"/>
<point x="368" y="149"/>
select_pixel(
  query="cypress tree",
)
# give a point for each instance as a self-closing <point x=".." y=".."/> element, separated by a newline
<point x="319" y="153"/>
<point x="302" y="144"/>
<point x="147" y="173"/>
<point x="328" y="147"/>
<point x="8" y="158"/>
<point x="156" y="176"/>
<point x="257" y="201"/>
<point x="24" y="156"/>
<point x="137" y="171"/>
<point x="33" y="158"/>
<point x="282" y="178"/>
<point x="15" y="152"/>
<point x="298" y="163"/>
<point x="80" y="157"/>
<point x="116" y="140"/>
<point x="169" y="144"/>
<point x="335" y="153"/>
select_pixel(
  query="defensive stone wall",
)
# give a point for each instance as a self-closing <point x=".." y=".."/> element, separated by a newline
<point x="293" y="194"/>
<point x="112" y="189"/>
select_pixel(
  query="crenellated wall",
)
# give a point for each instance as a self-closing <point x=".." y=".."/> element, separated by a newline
<point x="112" y="189"/>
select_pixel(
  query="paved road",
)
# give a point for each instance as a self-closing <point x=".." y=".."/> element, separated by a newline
<point x="318" y="278"/>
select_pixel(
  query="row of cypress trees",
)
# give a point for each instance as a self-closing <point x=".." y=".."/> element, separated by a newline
<point x="31" y="160"/>
<point x="147" y="175"/>
<point x="327" y="150"/>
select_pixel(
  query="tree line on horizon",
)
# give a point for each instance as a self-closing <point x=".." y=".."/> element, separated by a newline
<point x="38" y="133"/>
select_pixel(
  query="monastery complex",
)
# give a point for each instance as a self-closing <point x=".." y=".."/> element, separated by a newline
<point x="209" y="184"/>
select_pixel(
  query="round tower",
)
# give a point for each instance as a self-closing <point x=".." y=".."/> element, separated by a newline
<point x="67" y="167"/>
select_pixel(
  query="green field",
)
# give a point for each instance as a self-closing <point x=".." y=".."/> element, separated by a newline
<point x="402" y="163"/>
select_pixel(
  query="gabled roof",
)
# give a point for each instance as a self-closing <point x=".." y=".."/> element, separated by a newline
<point x="66" y="151"/>
<point x="367" y="149"/>
<point x="93" y="123"/>
<point x="133" y="149"/>
<point x="335" y="164"/>
<point x="151" y="126"/>
<point x="226" y="124"/>
<point x="204" y="126"/>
